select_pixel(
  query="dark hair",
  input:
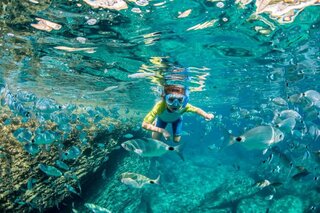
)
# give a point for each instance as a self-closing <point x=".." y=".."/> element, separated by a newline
<point x="174" y="89"/>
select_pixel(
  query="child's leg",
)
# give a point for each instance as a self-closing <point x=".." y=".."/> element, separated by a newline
<point x="176" y="139"/>
<point x="160" y="124"/>
<point x="177" y="129"/>
<point x="156" y="135"/>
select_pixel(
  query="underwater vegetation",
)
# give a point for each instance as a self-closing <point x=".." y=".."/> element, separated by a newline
<point x="48" y="151"/>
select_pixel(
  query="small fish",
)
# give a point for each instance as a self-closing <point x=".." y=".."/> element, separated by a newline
<point x="50" y="170"/>
<point x="279" y="101"/>
<point x="96" y="209"/>
<point x="289" y="113"/>
<point x="312" y="95"/>
<point x="46" y="137"/>
<point x="141" y="75"/>
<point x="71" y="189"/>
<point x="62" y="165"/>
<point x="128" y="136"/>
<point x="46" y="25"/>
<point x="295" y="98"/>
<point x="261" y="137"/>
<point x="287" y="124"/>
<point x="73" y="49"/>
<point x="20" y="202"/>
<point x="269" y="197"/>
<point x="105" y="159"/>
<point x="261" y="184"/>
<point x="306" y="155"/>
<point x="303" y="172"/>
<point x="33" y="1"/>
<point x="32" y="148"/>
<point x="72" y="153"/>
<point x="184" y="14"/>
<point x="270" y="158"/>
<point x="137" y="180"/>
<point x="110" y="88"/>
<point x="148" y="147"/>
<point x="30" y="183"/>
<point x="314" y="132"/>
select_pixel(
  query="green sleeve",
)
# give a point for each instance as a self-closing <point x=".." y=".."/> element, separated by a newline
<point x="190" y="108"/>
<point x="156" y="110"/>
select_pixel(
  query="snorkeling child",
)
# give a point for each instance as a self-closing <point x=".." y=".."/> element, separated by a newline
<point x="169" y="110"/>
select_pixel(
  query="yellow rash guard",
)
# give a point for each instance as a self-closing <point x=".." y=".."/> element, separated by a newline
<point x="160" y="110"/>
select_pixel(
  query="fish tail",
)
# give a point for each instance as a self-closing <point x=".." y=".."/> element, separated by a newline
<point x="157" y="181"/>
<point x="179" y="149"/>
<point x="232" y="140"/>
<point x="228" y="138"/>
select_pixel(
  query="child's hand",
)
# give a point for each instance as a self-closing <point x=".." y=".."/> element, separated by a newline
<point x="166" y="134"/>
<point x="209" y="116"/>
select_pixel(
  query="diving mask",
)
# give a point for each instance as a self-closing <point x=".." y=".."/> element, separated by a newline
<point x="175" y="100"/>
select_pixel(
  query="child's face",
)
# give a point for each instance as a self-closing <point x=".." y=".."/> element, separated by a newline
<point x="171" y="108"/>
<point x="174" y="101"/>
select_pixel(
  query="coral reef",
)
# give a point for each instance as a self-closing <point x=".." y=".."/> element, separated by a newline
<point x="24" y="186"/>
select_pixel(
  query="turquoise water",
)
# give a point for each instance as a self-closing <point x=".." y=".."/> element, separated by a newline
<point x="237" y="64"/>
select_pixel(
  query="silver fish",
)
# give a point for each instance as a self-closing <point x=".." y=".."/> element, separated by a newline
<point x="149" y="147"/>
<point x="289" y="113"/>
<point x="261" y="184"/>
<point x="137" y="180"/>
<point x="314" y="132"/>
<point x="312" y="95"/>
<point x="96" y="209"/>
<point x="279" y="101"/>
<point x="287" y="125"/>
<point x="141" y="75"/>
<point x="261" y="137"/>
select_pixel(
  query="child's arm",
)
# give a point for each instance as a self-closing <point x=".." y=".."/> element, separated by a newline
<point x="153" y="128"/>
<point x="207" y="116"/>
<point x="151" y="116"/>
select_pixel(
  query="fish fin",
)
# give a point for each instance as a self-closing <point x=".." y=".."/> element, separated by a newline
<point x="264" y="151"/>
<point x="157" y="181"/>
<point x="179" y="149"/>
<point x="229" y="138"/>
<point x="138" y="151"/>
<point x="232" y="140"/>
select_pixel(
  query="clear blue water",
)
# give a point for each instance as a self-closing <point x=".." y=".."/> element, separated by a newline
<point x="235" y="72"/>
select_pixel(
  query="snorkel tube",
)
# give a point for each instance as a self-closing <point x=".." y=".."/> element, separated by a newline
<point x="176" y="80"/>
<point x="186" y="94"/>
